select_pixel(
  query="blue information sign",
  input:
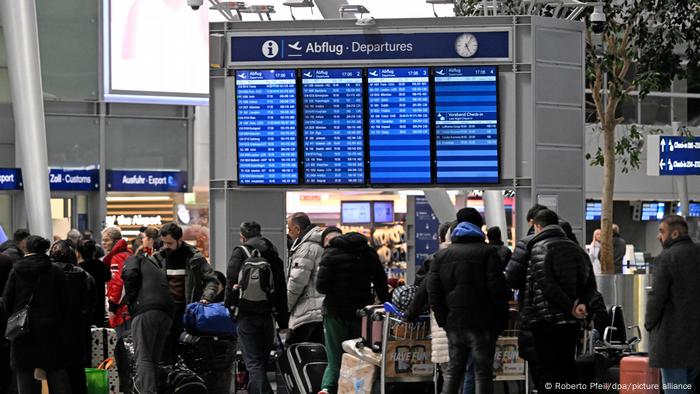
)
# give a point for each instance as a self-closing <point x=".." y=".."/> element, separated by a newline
<point x="399" y="125"/>
<point x="333" y="126"/>
<point x="679" y="155"/>
<point x="427" y="225"/>
<point x="466" y="124"/>
<point x="74" y="180"/>
<point x="10" y="179"/>
<point x="146" y="181"/>
<point x="459" y="45"/>
<point x="267" y="127"/>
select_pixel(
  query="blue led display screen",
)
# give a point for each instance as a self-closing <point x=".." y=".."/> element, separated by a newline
<point x="333" y="126"/>
<point x="267" y="127"/>
<point x="399" y="125"/>
<point x="466" y="124"/>
<point x="653" y="211"/>
<point x="594" y="210"/>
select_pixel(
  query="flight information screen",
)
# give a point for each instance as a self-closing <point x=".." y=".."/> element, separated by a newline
<point x="466" y="124"/>
<point x="399" y="125"/>
<point x="267" y="127"/>
<point x="333" y="126"/>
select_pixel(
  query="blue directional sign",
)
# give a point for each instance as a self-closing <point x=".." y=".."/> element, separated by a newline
<point x="427" y="225"/>
<point x="673" y="155"/>
<point x="10" y="179"/>
<point x="146" y="181"/>
<point x="450" y="46"/>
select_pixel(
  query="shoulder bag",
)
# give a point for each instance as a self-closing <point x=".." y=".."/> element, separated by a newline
<point x="18" y="322"/>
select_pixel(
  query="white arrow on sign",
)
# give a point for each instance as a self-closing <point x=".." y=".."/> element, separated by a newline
<point x="663" y="145"/>
<point x="662" y="164"/>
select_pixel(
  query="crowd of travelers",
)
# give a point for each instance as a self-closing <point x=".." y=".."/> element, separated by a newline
<point x="470" y="286"/>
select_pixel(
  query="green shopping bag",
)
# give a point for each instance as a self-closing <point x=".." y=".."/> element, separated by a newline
<point x="97" y="382"/>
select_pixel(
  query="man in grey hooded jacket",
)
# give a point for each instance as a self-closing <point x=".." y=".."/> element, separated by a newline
<point x="303" y="300"/>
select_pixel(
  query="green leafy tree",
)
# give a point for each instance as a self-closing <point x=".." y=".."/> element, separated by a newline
<point x="661" y="39"/>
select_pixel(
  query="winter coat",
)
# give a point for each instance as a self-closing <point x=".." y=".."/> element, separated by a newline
<point x="503" y="253"/>
<point x="101" y="275"/>
<point x="269" y="253"/>
<point x="79" y="293"/>
<point x="466" y="287"/>
<point x="348" y="271"/>
<point x="42" y="346"/>
<point x="304" y="302"/>
<point x="440" y="349"/>
<point x="10" y="248"/>
<point x="115" y="287"/>
<point x="200" y="281"/>
<point x="673" y="316"/>
<point x="543" y="298"/>
<point x="619" y="251"/>
<point x="146" y="287"/>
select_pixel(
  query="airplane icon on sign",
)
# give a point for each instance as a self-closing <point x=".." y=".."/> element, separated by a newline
<point x="308" y="75"/>
<point x="373" y="73"/>
<point x="296" y="46"/>
<point x="242" y="76"/>
<point x="440" y="72"/>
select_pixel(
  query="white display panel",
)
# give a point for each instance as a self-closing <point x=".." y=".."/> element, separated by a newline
<point x="156" y="51"/>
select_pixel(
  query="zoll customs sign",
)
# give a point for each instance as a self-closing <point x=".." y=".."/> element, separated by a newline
<point x="673" y="155"/>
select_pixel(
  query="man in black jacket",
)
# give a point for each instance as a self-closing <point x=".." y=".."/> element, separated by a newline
<point x="619" y="249"/>
<point x="673" y="317"/>
<point x="151" y="307"/>
<point x="349" y="270"/>
<point x="468" y="295"/>
<point x="17" y="246"/>
<point x="555" y="277"/>
<point x="493" y="234"/>
<point x="256" y="330"/>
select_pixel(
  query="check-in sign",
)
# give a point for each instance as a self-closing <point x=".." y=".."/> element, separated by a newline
<point x="673" y="155"/>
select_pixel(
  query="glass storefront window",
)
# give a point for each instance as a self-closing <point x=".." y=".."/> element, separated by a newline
<point x="656" y="111"/>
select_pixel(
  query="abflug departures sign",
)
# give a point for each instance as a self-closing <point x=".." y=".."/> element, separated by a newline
<point x="376" y="126"/>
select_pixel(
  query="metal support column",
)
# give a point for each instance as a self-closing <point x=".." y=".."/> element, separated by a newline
<point x="22" y="42"/>
<point x="495" y="212"/>
<point x="681" y="181"/>
<point x="441" y="203"/>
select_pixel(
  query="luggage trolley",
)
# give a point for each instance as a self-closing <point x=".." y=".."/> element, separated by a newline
<point x="406" y="350"/>
<point x="507" y="364"/>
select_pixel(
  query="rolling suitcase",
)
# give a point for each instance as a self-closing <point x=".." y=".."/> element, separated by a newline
<point x="302" y="366"/>
<point x="104" y="340"/>
<point x="636" y="370"/>
<point x="372" y="326"/>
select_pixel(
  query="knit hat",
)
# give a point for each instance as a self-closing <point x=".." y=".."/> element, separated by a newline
<point x="471" y="215"/>
<point x="330" y="229"/>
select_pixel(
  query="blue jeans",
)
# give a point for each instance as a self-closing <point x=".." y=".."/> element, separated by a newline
<point x="679" y="376"/>
<point x="256" y="334"/>
<point x="469" y="385"/>
<point x="481" y="346"/>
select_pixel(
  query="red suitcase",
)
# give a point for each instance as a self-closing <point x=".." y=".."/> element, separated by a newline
<point x="637" y="377"/>
<point x="372" y="326"/>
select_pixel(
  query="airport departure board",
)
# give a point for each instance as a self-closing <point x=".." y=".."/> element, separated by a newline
<point x="399" y="125"/>
<point x="266" y="113"/>
<point x="333" y="126"/>
<point x="466" y="124"/>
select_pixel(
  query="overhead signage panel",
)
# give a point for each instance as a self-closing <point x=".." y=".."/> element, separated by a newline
<point x="10" y="179"/>
<point x="440" y="46"/>
<point x="466" y="124"/>
<point x="333" y="126"/>
<point x="673" y="155"/>
<point x="146" y="181"/>
<point x="266" y="112"/>
<point x="74" y="180"/>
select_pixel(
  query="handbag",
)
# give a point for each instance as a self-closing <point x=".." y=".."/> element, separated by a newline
<point x="18" y="322"/>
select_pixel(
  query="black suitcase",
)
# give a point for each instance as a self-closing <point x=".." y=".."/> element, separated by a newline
<point x="302" y="366"/>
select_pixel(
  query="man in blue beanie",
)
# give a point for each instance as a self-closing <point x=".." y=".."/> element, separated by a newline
<point x="468" y="294"/>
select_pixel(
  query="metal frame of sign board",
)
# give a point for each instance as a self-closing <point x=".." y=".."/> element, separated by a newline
<point x="367" y="184"/>
<point x="368" y="62"/>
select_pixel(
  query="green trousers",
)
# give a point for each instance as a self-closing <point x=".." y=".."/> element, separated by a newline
<point x="337" y="330"/>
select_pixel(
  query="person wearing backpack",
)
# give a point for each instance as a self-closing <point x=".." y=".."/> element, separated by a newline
<point x="349" y="270"/>
<point x="256" y="293"/>
<point x="151" y="307"/>
<point x="555" y="277"/>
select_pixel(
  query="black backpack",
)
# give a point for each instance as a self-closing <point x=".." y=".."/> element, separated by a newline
<point x="256" y="284"/>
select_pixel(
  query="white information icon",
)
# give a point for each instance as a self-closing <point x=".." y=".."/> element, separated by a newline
<point x="270" y="49"/>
